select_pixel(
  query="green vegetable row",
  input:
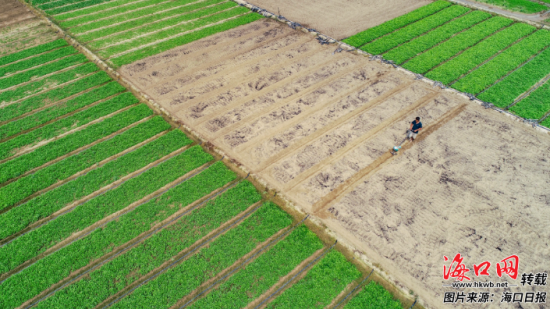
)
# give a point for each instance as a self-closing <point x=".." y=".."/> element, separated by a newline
<point x="16" y="126"/>
<point x="54" y="95"/>
<point x="148" y="15"/>
<point x="45" y="83"/>
<point x="118" y="232"/>
<point x="413" y="30"/>
<point x="32" y="51"/>
<point x="93" y="14"/>
<point x="115" y="49"/>
<point x="506" y="91"/>
<point x="59" y="127"/>
<point x="161" y="247"/>
<point x="36" y="61"/>
<point x="371" y="34"/>
<point x="471" y="58"/>
<point x="18" y="218"/>
<point x="373" y="296"/>
<point x="546" y="122"/>
<point x="184" y="39"/>
<point x="524" y="6"/>
<point x="536" y="105"/>
<point x="62" y="146"/>
<point x="322" y="284"/>
<point x="76" y="6"/>
<point x="499" y="66"/>
<point x="38" y="240"/>
<point x="244" y="287"/>
<point x="408" y="50"/>
<point x="55" y="4"/>
<point x="443" y="52"/>
<point x="26" y="76"/>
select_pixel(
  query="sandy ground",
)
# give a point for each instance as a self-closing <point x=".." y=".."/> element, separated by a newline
<point x="319" y="126"/>
<point x="340" y="18"/>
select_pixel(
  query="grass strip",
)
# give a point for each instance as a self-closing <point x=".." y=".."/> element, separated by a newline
<point x="373" y="296"/>
<point x="408" y="50"/>
<point x="512" y="86"/>
<point x="127" y="227"/>
<point x="18" y="218"/>
<point x="31" y="121"/>
<point x="184" y="39"/>
<point x="75" y="6"/>
<point x="411" y="31"/>
<point x="499" y="66"/>
<point x="523" y="6"/>
<point x="54" y="95"/>
<point x="36" y="61"/>
<point x="54" y="129"/>
<point x="373" y="33"/>
<point x="322" y="284"/>
<point x="245" y="286"/>
<point x="32" y="51"/>
<point x="536" y="105"/>
<point x="443" y="52"/>
<point x="92" y="14"/>
<point x="37" y="241"/>
<point x="152" y="37"/>
<point x="22" y="188"/>
<point x="62" y="146"/>
<point x="41" y="71"/>
<point x="471" y="58"/>
<point x="161" y="247"/>
<point x="48" y="82"/>
<point x="144" y="17"/>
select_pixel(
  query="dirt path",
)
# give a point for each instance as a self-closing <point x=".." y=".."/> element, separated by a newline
<point x="319" y="125"/>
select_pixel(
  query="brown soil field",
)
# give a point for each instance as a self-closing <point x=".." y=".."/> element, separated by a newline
<point x="319" y="126"/>
<point x="13" y="12"/>
<point x="340" y="18"/>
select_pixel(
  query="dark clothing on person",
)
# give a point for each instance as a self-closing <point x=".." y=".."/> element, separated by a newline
<point x="416" y="126"/>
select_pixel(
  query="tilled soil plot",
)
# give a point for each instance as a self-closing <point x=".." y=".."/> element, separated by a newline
<point x="319" y="126"/>
<point x="13" y="12"/>
<point x="340" y="18"/>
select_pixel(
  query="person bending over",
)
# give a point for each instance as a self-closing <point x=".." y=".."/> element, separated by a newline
<point x="416" y="126"/>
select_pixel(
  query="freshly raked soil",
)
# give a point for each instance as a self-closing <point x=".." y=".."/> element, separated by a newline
<point x="340" y="18"/>
<point x="318" y="126"/>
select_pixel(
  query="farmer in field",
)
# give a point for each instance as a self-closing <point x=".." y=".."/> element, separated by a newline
<point x="416" y="126"/>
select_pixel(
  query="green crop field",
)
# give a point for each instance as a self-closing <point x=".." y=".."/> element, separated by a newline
<point x="105" y="203"/>
<point x="494" y="58"/>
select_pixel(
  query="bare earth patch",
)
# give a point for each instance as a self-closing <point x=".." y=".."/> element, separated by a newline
<point x="319" y="127"/>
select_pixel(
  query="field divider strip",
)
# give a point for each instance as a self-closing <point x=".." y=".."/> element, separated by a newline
<point x="282" y="127"/>
<point x="351" y="292"/>
<point x="488" y="60"/>
<point x="514" y="70"/>
<point x="99" y="224"/>
<point x="70" y="153"/>
<point x="298" y="276"/>
<point x="174" y="36"/>
<point x="80" y="128"/>
<point x="228" y="71"/>
<point x="84" y="199"/>
<point x="38" y="66"/>
<point x="122" y="249"/>
<point x="360" y="140"/>
<point x="184" y="254"/>
<point x="234" y="82"/>
<point x="42" y="77"/>
<point x="141" y="25"/>
<point x="225" y="57"/>
<point x="528" y="92"/>
<point x="95" y="5"/>
<point x="279" y="84"/>
<point x="2" y="105"/>
<point x="351" y="183"/>
<point x="58" y="102"/>
<point x="60" y="118"/>
<point x="154" y="32"/>
<point x="239" y="264"/>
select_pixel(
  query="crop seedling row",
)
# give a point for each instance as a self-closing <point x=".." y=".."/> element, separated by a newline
<point x="161" y="247"/>
<point x="32" y="51"/>
<point x="536" y="105"/>
<point x="373" y="296"/>
<point x="53" y="200"/>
